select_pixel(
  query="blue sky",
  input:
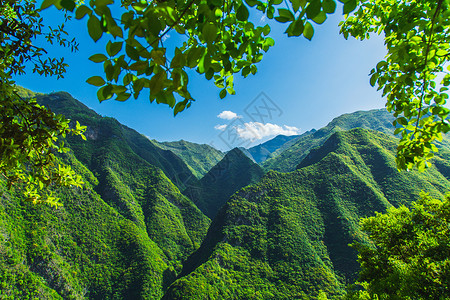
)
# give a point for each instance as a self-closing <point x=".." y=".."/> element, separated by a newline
<point x="300" y="85"/>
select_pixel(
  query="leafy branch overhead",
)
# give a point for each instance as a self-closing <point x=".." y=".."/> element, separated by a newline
<point x="217" y="39"/>
<point x="29" y="132"/>
<point x="414" y="77"/>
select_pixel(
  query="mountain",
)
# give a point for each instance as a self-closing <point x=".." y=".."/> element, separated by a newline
<point x="233" y="172"/>
<point x="290" y="156"/>
<point x="263" y="151"/>
<point x="105" y="130"/>
<point x="132" y="177"/>
<point x="200" y="158"/>
<point x="124" y="235"/>
<point x="287" y="236"/>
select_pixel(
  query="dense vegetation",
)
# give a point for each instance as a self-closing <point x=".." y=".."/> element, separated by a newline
<point x="129" y="233"/>
<point x="84" y="249"/>
<point x="43" y="266"/>
<point x="123" y="235"/>
<point x="287" y="236"/>
<point x="409" y="258"/>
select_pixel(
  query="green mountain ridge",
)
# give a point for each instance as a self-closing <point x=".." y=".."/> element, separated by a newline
<point x="200" y="158"/>
<point x="290" y="155"/>
<point x="101" y="129"/>
<point x="287" y="236"/>
<point x="233" y="172"/>
<point x="85" y="249"/>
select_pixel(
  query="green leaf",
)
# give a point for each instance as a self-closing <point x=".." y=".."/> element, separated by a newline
<point x="68" y="4"/>
<point x="96" y="80"/>
<point x="94" y="28"/>
<point x="131" y="52"/>
<point x="313" y="9"/>
<point x="349" y="6"/>
<point x="251" y="3"/>
<point x="403" y="121"/>
<point x="373" y="79"/>
<point x="156" y="83"/>
<point x="139" y="66"/>
<point x="47" y="3"/>
<point x="295" y="28"/>
<point x="82" y="11"/>
<point x="158" y="56"/>
<point x="295" y="5"/>
<point x="242" y="13"/>
<point x="329" y="6"/>
<point x="285" y="15"/>
<point x="115" y="31"/>
<point x="105" y="93"/>
<point x="118" y="89"/>
<point x="114" y="48"/>
<point x="179" y="107"/>
<point x="209" y="32"/>
<point x="308" y="31"/>
<point x="194" y="55"/>
<point x="320" y="18"/>
<point x="98" y="58"/>
<point x="123" y="96"/>
<point x="223" y="93"/>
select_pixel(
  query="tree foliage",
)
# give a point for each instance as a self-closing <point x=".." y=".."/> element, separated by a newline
<point x="413" y="76"/>
<point x="216" y="38"/>
<point x="410" y="259"/>
<point x="29" y="132"/>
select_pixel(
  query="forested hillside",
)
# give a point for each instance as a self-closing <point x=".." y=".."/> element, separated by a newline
<point x="124" y="235"/>
<point x="287" y="236"/>
<point x="105" y="132"/>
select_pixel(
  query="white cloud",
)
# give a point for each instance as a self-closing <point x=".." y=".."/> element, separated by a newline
<point x="227" y="115"/>
<point x="220" y="127"/>
<point x="256" y="131"/>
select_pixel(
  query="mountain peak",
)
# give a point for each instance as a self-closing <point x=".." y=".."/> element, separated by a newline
<point x="233" y="172"/>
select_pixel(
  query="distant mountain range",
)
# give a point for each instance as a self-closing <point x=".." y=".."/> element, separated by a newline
<point x="179" y="220"/>
<point x="289" y="157"/>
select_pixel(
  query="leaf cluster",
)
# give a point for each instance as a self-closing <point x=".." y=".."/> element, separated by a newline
<point x="29" y="143"/>
<point x="414" y="76"/>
